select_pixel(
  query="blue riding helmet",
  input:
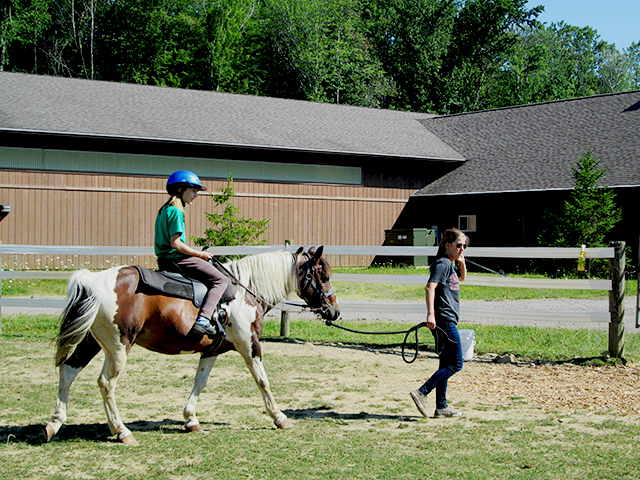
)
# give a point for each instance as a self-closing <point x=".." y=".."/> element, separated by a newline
<point x="183" y="179"/>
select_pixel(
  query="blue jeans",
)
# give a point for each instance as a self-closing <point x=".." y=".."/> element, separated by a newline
<point x="450" y="352"/>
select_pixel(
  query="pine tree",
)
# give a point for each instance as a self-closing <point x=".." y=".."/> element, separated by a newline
<point x="589" y="215"/>
<point x="229" y="228"/>
<point x="591" y="211"/>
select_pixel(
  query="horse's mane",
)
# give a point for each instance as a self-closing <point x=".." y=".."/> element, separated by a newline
<point x="270" y="275"/>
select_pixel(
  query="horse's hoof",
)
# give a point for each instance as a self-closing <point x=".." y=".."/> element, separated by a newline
<point x="129" y="441"/>
<point x="284" y="423"/>
<point x="194" y="428"/>
<point x="47" y="432"/>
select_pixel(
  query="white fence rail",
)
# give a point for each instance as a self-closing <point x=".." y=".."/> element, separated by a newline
<point x="615" y="286"/>
<point x="507" y="252"/>
<point x="357" y="307"/>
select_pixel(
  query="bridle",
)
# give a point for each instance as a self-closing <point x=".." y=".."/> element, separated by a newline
<point x="309" y="280"/>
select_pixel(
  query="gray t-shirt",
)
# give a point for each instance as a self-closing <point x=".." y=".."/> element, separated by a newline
<point x="447" y="299"/>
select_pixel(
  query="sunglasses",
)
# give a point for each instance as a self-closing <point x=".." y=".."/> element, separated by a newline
<point x="461" y="245"/>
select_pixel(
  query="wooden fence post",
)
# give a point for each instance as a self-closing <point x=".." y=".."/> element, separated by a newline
<point x="284" y="324"/>
<point x="0" y="291"/>
<point x="638" y="289"/>
<point x="616" y="300"/>
<point x="284" y="316"/>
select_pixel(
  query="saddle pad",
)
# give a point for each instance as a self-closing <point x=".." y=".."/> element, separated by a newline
<point x="155" y="282"/>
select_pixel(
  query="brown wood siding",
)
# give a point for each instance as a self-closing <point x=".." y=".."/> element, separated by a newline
<point x="112" y="210"/>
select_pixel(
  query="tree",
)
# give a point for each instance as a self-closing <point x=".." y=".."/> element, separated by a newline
<point x="412" y="40"/>
<point x="633" y="55"/>
<point x="229" y="228"/>
<point x="589" y="214"/>
<point x="614" y="69"/>
<point x="316" y="50"/>
<point x="21" y="24"/>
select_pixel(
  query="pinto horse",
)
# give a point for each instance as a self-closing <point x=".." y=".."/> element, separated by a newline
<point x="103" y="311"/>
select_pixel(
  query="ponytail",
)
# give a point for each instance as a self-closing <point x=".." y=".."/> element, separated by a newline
<point x="174" y="200"/>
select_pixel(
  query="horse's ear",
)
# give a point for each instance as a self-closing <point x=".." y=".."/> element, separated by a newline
<point x="300" y="250"/>
<point x="318" y="253"/>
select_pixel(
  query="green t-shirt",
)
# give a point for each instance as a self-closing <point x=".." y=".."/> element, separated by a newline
<point x="170" y="220"/>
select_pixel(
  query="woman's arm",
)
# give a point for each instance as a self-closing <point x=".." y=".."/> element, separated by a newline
<point x="183" y="248"/>
<point x="462" y="265"/>
<point x="430" y="293"/>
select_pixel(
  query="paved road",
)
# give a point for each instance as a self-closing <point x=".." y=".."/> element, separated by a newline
<point x="548" y="305"/>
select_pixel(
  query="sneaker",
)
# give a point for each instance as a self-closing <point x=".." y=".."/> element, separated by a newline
<point x="204" y="327"/>
<point x="446" y="413"/>
<point x="421" y="402"/>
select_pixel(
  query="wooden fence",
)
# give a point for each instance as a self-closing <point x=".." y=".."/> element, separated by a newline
<point x="615" y="285"/>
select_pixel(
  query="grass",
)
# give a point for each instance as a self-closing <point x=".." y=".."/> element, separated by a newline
<point x="38" y="288"/>
<point x="391" y="292"/>
<point x="369" y="442"/>
<point x="536" y="344"/>
<point x="505" y="442"/>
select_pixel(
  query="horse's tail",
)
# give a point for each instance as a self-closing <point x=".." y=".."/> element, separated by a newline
<point x="78" y="315"/>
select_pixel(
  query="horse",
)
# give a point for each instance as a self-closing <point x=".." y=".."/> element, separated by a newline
<point x="104" y="312"/>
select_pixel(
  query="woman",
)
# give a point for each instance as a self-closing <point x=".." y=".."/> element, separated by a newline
<point x="443" y="312"/>
<point x="174" y="255"/>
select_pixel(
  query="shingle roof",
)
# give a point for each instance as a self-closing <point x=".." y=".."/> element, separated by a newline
<point x="534" y="147"/>
<point x="82" y="107"/>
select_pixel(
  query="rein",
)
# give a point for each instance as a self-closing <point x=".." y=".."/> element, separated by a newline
<point x="310" y="281"/>
<point x="221" y="267"/>
<point x="414" y="329"/>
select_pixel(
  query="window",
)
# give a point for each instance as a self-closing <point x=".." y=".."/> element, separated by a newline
<point x="467" y="223"/>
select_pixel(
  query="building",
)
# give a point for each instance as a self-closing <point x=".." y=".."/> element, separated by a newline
<point x="85" y="163"/>
<point x="518" y="164"/>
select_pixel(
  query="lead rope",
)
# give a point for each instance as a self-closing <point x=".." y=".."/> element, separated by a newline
<point x="414" y="329"/>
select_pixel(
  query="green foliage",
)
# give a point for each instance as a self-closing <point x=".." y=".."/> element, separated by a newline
<point x="229" y="228"/>
<point x="438" y="56"/>
<point x="589" y="214"/>
<point x="317" y="50"/>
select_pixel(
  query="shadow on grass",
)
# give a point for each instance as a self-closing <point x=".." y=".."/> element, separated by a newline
<point x="90" y="432"/>
<point x="323" y="413"/>
<point x="386" y="349"/>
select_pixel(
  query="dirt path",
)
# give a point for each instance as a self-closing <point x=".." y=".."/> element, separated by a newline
<point x="482" y="387"/>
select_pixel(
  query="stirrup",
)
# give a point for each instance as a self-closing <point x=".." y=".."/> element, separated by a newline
<point x="218" y="319"/>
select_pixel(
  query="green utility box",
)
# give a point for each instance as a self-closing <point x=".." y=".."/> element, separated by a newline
<point x="411" y="237"/>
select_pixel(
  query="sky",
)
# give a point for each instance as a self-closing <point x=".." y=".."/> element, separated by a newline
<point x="617" y="21"/>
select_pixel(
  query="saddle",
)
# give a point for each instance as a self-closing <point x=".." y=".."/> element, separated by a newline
<point x="171" y="284"/>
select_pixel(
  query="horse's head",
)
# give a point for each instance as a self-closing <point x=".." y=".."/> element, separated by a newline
<point x="314" y="281"/>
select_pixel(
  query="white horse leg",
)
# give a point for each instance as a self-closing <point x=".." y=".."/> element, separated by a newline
<point x="113" y="366"/>
<point x="202" y="375"/>
<point x="67" y="375"/>
<point x="247" y="344"/>
<point x="260" y="376"/>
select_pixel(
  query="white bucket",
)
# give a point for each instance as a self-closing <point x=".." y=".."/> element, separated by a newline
<point x="468" y="341"/>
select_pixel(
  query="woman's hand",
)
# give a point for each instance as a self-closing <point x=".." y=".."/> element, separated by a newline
<point x="431" y="321"/>
<point x="462" y="265"/>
